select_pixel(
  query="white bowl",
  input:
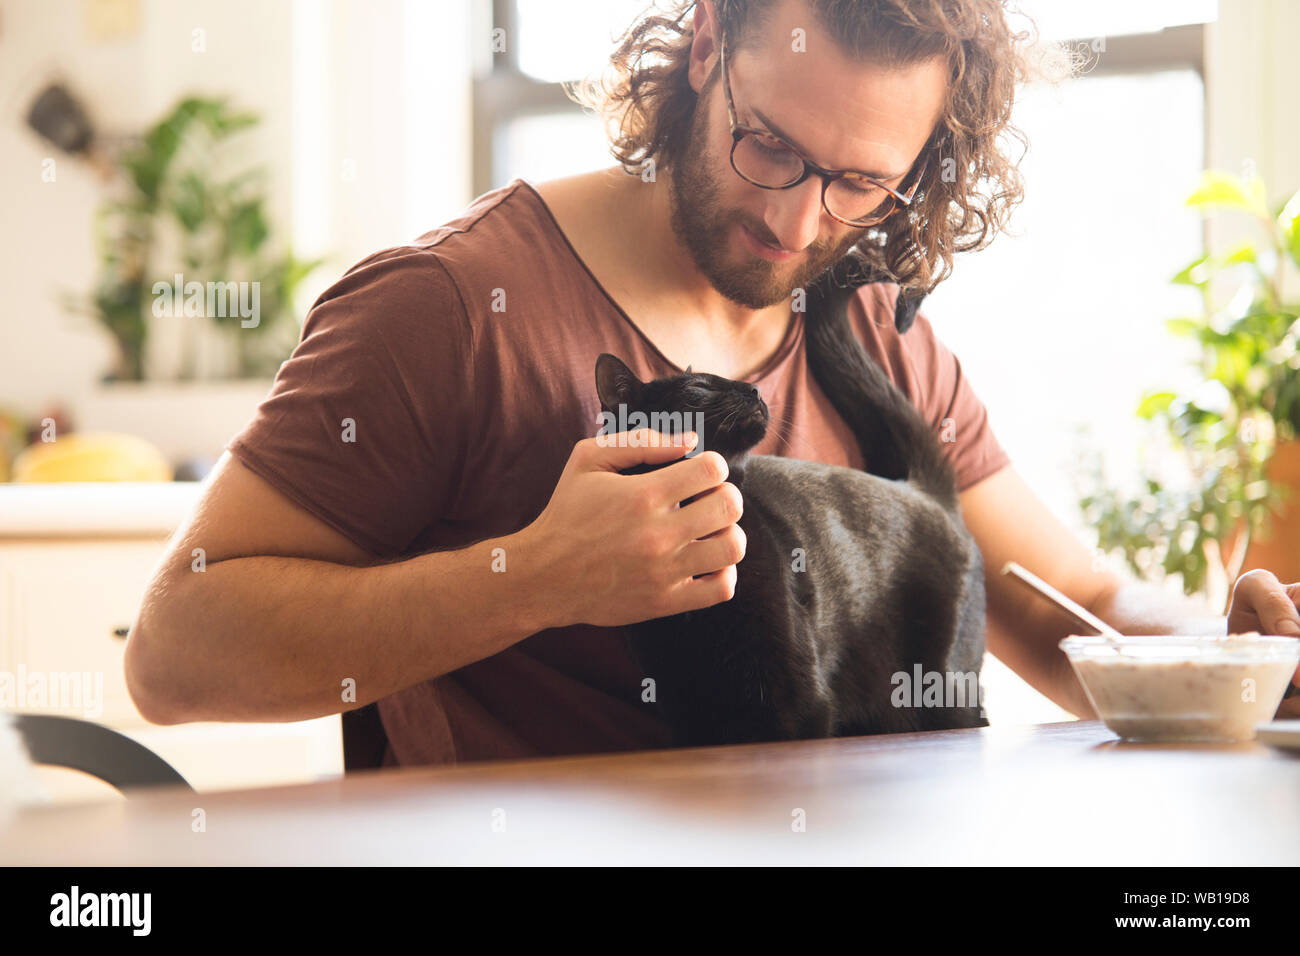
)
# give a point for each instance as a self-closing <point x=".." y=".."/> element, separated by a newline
<point x="1174" y="687"/>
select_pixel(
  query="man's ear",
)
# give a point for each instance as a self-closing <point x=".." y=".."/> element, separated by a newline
<point x="615" y="383"/>
<point x="704" y="45"/>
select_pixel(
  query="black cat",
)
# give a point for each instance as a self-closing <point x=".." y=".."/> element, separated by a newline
<point x="859" y="604"/>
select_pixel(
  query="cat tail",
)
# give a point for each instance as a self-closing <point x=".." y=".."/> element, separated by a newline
<point x="895" y="440"/>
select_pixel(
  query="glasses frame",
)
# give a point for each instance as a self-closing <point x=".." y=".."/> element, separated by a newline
<point x="739" y="131"/>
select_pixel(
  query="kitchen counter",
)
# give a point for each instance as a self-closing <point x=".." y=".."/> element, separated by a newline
<point x="95" y="509"/>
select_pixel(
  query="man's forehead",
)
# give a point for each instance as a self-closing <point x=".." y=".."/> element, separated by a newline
<point x="841" y="111"/>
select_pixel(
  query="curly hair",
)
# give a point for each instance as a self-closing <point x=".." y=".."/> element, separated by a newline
<point x="971" y="184"/>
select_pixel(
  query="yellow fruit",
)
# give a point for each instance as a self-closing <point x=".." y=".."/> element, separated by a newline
<point x="95" y="457"/>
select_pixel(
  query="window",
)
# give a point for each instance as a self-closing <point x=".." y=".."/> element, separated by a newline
<point x="525" y="124"/>
<point x="1070" y="308"/>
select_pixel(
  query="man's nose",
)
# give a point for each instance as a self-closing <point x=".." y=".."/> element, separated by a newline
<point x="794" y="215"/>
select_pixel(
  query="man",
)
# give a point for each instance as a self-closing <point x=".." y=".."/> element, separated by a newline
<point x="418" y="515"/>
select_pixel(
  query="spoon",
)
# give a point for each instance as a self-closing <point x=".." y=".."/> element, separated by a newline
<point x="1081" y="615"/>
<point x="1076" y="612"/>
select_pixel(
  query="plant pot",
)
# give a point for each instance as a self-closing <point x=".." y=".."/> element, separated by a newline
<point x="1281" y="552"/>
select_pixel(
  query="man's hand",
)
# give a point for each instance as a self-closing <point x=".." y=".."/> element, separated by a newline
<point x="620" y="549"/>
<point x="1260" y="602"/>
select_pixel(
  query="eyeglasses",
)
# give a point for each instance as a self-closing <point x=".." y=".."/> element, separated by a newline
<point x="769" y="162"/>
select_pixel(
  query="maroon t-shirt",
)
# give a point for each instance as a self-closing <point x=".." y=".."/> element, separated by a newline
<point x="466" y="362"/>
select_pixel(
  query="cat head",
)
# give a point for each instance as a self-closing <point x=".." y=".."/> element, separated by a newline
<point x="730" y="417"/>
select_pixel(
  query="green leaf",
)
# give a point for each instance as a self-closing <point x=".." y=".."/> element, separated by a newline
<point x="1195" y="273"/>
<point x="247" y="227"/>
<point x="1220" y="190"/>
<point x="235" y="122"/>
<point x="1153" y="403"/>
<point x="190" y="202"/>
<point x="1288" y="219"/>
<point x="1186" y="328"/>
<point x="1245" y="252"/>
<point x="295" y="270"/>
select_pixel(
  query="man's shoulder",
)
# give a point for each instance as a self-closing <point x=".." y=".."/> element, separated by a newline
<point x="483" y="227"/>
<point x="487" y="238"/>
<point x="509" y="209"/>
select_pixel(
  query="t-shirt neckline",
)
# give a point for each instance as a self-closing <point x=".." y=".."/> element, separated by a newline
<point x="793" y="331"/>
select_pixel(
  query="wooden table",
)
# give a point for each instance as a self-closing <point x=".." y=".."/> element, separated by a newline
<point x="1066" y="793"/>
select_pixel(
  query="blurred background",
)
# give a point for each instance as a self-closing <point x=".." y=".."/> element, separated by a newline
<point x="1134" y="340"/>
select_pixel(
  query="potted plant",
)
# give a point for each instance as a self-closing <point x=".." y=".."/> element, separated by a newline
<point x="180" y="213"/>
<point x="1218" y="497"/>
<point x="185" y="248"/>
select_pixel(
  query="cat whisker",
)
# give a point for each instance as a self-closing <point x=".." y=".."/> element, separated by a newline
<point x="789" y="423"/>
<point x="784" y="440"/>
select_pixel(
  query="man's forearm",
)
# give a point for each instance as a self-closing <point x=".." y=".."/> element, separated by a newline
<point x="276" y="639"/>
<point x="1140" y="608"/>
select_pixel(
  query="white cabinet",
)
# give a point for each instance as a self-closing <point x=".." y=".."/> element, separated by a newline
<point x="65" y="605"/>
<point x="66" y="598"/>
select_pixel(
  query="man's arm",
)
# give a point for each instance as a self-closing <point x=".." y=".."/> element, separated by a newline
<point x="286" y="608"/>
<point x="1010" y="523"/>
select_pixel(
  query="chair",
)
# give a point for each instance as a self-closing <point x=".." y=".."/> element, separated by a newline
<point x="364" y="739"/>
<point x="86" y="746"/>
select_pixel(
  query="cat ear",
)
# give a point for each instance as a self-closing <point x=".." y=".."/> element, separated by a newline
<point x="615" y="382"/>
<point x="688" y="370"/>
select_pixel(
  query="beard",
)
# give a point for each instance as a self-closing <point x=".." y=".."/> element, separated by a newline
<point x="704" y="227"/>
